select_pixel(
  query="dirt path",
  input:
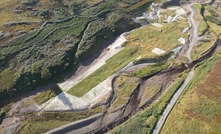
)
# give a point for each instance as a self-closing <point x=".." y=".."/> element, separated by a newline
<point x="86" y="71"/>
<point x="172" y="103"/>
<point x="67" y="102"/>
<point x="9" y="124"/>
<point x="194" y="38"/>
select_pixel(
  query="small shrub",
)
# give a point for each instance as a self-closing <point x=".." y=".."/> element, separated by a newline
<point x="2" y="115"/>
<point x="213" y="13"/>
<point x="213" y="20"/>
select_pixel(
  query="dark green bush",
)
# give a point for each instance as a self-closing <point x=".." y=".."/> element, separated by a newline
<point x="213" y="20"/>
<point x="2" y="116"/>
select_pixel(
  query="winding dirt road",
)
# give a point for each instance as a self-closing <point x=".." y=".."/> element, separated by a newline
<point x="193" y="40"/>
<point x="172" y="104"/>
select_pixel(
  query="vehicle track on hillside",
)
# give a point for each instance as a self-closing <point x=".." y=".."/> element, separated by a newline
<point x="194" y="38"/>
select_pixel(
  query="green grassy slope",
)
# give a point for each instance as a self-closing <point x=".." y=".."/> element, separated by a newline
<point x="42" y="56"/>
<point x="198" y="109"/>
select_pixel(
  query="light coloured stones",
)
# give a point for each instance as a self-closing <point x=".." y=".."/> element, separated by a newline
<point x="182" y="40"/>
<point x="177" y="50"/>
<point x="158" y="25"/>
<point x="158" y="51"/>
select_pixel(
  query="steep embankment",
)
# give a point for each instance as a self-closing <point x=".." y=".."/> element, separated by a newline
<point x="129" y="90"/>
<point x="38" y="57"/>
<point x="146" y="117"/>
<point x="130" y="52"/>
<point x="137" y="97"/>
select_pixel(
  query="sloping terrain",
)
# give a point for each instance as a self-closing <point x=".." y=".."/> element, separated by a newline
<point x="112" y="67"/>
<point x="190" y="114"/>
<point x="199" y="111"/>
<point x="39" y="56"/>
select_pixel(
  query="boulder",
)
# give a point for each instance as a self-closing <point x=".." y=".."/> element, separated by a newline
<point x="182" y="40"/>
